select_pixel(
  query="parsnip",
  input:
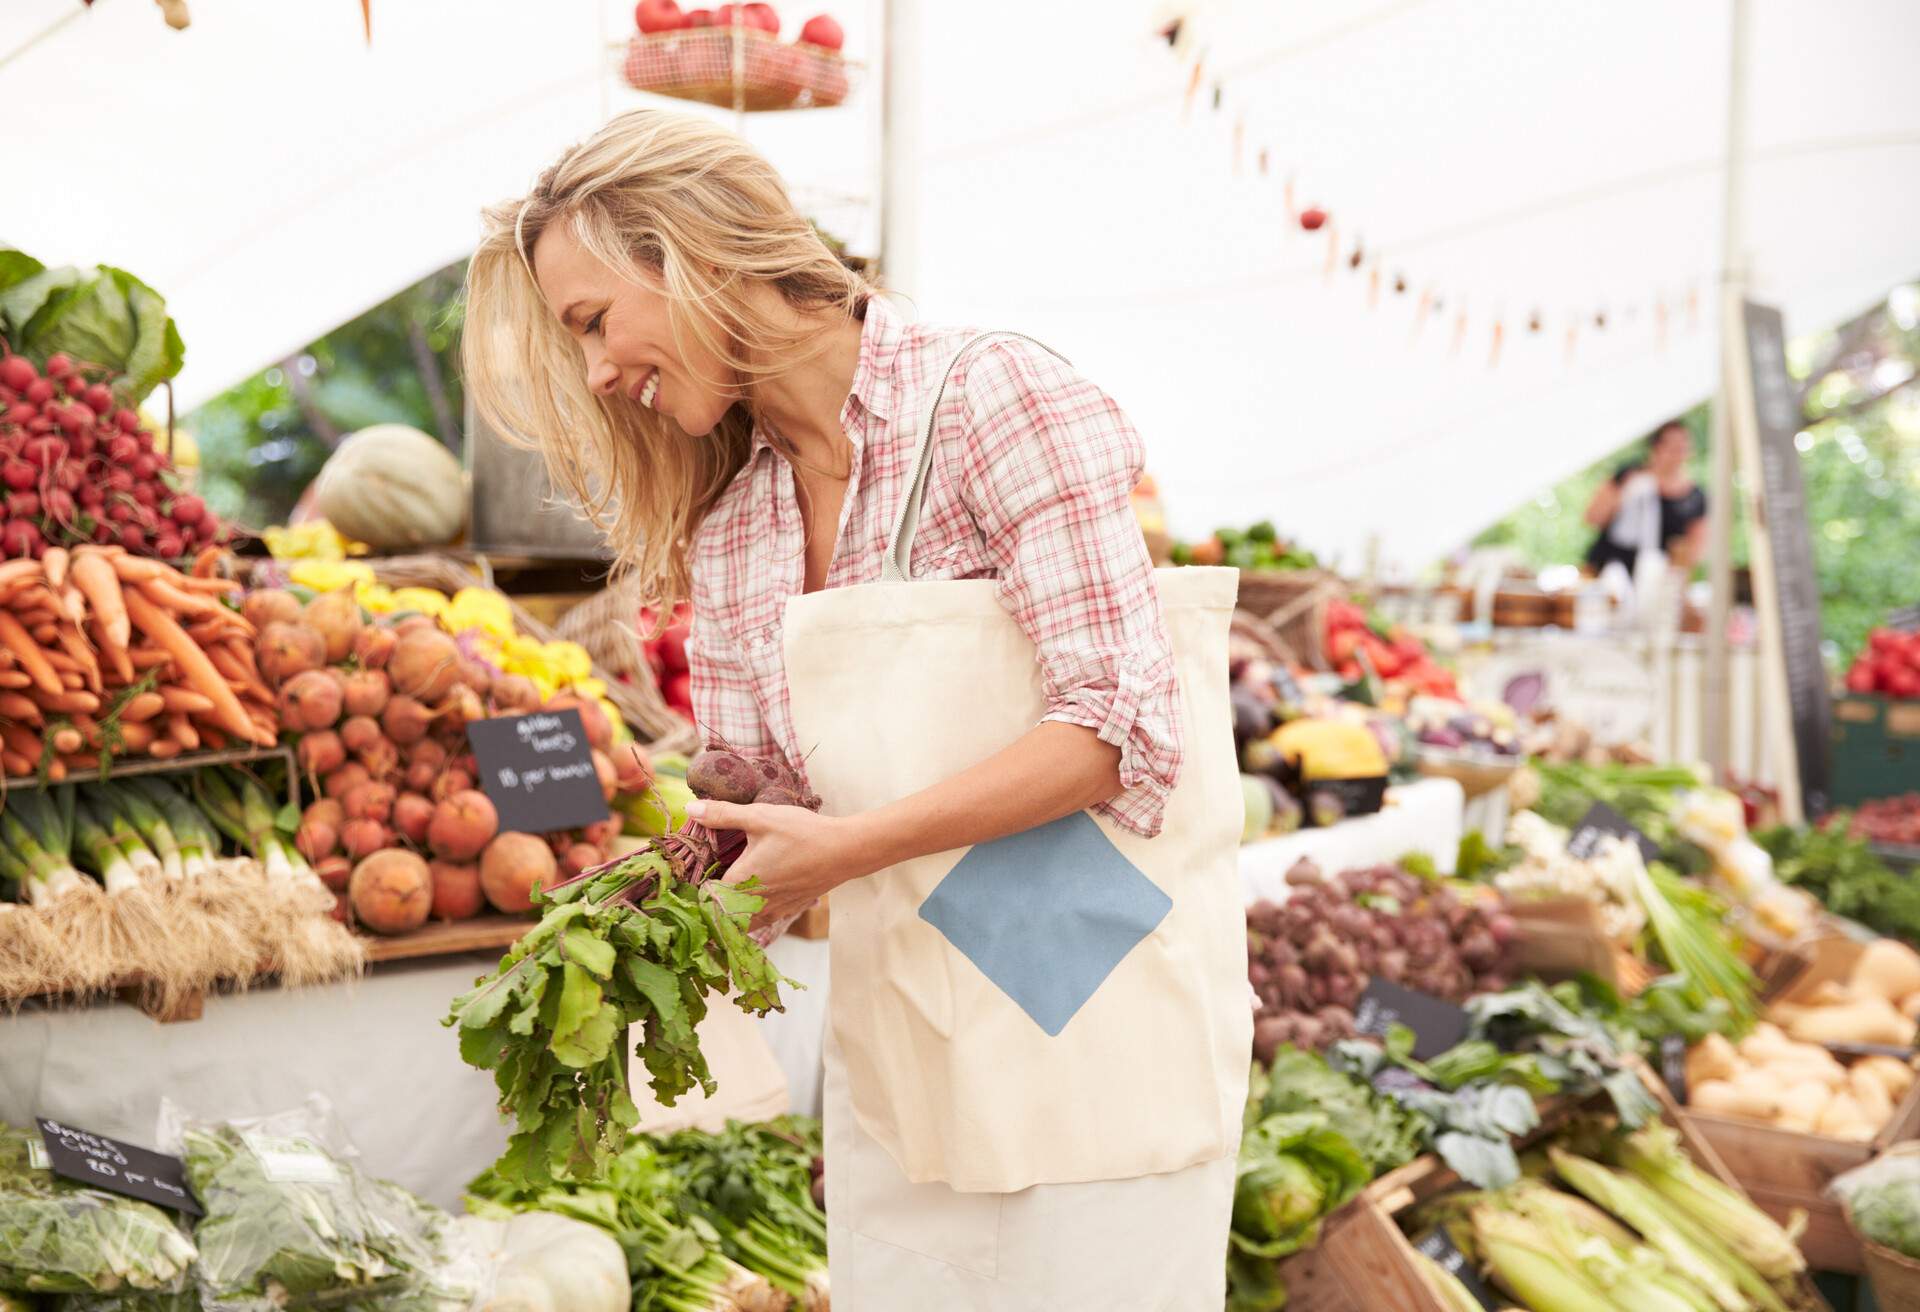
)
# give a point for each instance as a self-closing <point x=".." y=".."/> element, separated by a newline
<point x="1876" y="1107"/>
<point x="1713" y="1058"/>
<point x="1843" y="1119"/>
<point x="1895" y="1076"/>
<point x="1888" y="968"/>
<point x="1802" y="1105"/>
<point x="1866" y="1021"/>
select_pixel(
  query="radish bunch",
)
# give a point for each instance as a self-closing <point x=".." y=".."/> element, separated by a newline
<point x="75" y="467"/>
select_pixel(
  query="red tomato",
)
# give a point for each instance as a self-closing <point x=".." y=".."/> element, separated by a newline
<point x="658" y="16"/>
<point x="1904" y="683"/>
<point x="1882" y="640"/>
<point x="1860" y="677"/>
<point x="824" y="31"/>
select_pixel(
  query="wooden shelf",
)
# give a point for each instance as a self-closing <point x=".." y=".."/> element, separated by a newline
<point x="128" y="766"/>
<point x="488" y="933"/>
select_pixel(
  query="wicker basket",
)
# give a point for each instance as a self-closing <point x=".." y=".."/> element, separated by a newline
<point x="638" y="701"/>
<point x="1294" y="605"/>
<point x="698" y="64"/>
<point x="607" y="626"/>
<point x="1895" y="1277"/>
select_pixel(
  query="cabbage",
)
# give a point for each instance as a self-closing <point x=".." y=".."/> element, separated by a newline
<point x="100" y="316"/>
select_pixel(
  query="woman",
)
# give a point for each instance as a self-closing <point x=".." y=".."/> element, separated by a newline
<point x="1651" y="504"/>
<point x="755" y="429"/>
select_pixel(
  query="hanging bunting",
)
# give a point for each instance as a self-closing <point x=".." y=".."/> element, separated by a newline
<point x="1286" y="195"/>
<point x="1311" y="218"/>
<point x="1693" y="309"/>
<point x="366" y="18"/>
<point x="1263" y="161"/>
<point x="1420" y="313"/>
<point x="1573" y="336"/>
<point x="1239" y="142"/>
<point x="1660" y="322"/>
<point x="1459" y="331"/>
<point x="1373" y="287"/>
<point x="1499" y="330"/>
<point x="1359" y="256"/>
<point x="1533" y="322"/>
<point x="1193" y="83"/>
<point x="1333" y="248"/>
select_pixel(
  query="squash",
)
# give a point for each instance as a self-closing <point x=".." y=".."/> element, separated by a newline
<point x="1888" y="969"/>
<point x="543" y="1262"/>
<point x="391" y="486"/>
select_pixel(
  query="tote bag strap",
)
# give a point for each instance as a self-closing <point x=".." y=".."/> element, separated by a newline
<point x="898" y="565"/>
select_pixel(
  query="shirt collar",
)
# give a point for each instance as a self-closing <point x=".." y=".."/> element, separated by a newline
<point x="880" y="336"/>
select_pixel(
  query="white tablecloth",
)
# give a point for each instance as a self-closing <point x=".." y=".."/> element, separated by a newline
<point x="1424" y="816"/>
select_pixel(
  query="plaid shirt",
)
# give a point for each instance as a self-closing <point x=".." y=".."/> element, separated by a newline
<point x="1031" y="476"/>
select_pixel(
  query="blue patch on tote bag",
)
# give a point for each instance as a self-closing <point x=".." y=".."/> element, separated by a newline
<point x="1047" y="914"/>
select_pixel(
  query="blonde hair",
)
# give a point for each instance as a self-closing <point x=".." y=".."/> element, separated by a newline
<point x="691" y="204"/>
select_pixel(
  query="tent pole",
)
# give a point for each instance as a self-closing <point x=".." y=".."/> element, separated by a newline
<point x="900" y="148"/>
<point x="1720" y="505"/>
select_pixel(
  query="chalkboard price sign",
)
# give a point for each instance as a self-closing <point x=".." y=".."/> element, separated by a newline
<point x="537" y="770"/>
<point x="1602" y="821"/>
<point x="1673" y="1066"/>
<point x="1436" y="1023"/>
<point x="1776" y="407"/>
<point x="1439" y="1246"/>
<point x="121" y="1168"/>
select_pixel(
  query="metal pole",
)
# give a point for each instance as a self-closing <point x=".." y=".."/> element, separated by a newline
<point x="900" y="148"/>
<point x="1720" y="505"/>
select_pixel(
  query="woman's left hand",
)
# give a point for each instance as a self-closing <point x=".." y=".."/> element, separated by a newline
<point x="798" y="857"/>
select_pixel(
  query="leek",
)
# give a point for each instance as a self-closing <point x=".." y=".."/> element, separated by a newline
<point x="147" y="819"/>
<point x="104" y="851"/>
<point x="38" y="827"/>
<point x="194" y="834"/>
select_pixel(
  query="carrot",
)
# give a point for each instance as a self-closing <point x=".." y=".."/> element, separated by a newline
<point x="148" y="658"/>
<point x="23" y="709"/>
<point x="79" y="761"/>
<point x="207" y="633"/>
<point x="17" y="640"/>
<point x="183" y="603"/>
<point x="70" y="701"/>
<point x="66" y="740"/>
<point x="181" y="730"/>
<point x="93" y="574"/>
<point x="10" y="678"/>
<point x="54" y="565"/>
<point x="138" y="569"/>
<point x="73" y="604"/>
<point x="75" y="681"/>
<point x="144" y="706"/>
<point x="266" y="725"/>
<point x="18" y="739"/>
<point x="15" y="765"/>
<point x="89" y="729"/>
<point x="45" y="631"/>
<point x="185" y="699"/>
<point x="17" y="571"/>
<point x="201" y="583"/>
<point x="164" y="749"/>
<point x="135" y="736"/>
<point x="212" y="739"/>
<point x="116" y="653"/>
<point x="228" y="664"/>
<point x="56" y="770"/>
<point x="76" y="647"/>
<point x="207" y="561"/>
<point x="195" y="667"/>
<point x="63" y="660"/>
<point x="243" y="652"/>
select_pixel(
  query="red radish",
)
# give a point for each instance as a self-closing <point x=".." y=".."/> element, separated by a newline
<point x="38" y="392"/>
<point x="18" y="474"/>
<point x="59" y="365"/>
<point x="462" y="825"/>
<point x="168" y="546"/>
<point x="99" y="399"/>
<point x="823" y="30"/>
<point x="126" y="420"/>
<point x="20" y="538"/>
<point x="145" y="466"/>
<point x="658" y="16"/>
<point x="22" y="505"/>
<point x="17" y="372"/>
<point x="699" y="18"/>
<point x="188" y="509"/>
<point x="19" y="412"/>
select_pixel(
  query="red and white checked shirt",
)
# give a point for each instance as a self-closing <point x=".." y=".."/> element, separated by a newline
<point x="1030" y="482"/>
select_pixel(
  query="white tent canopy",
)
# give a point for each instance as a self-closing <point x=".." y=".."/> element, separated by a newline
<point x="273" y="177"/>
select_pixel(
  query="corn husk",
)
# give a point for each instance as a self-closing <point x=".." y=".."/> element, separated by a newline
<point x="1654" y="1154"/>
<point x="1637" y="1205"/>
<point x="1531" y="1267"/>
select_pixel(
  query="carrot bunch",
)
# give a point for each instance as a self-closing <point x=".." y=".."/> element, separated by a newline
<point x="103" y="653"/>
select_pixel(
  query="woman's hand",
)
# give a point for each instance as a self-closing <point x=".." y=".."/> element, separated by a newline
<point x="798" y="857"/>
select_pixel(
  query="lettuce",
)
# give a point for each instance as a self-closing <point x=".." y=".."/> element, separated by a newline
<point x="101" y="316"/>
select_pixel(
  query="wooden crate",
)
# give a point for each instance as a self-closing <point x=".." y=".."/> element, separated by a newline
<point x="1785" y="1171"/>
<point x="1562" y="938"/>
<point x="1365" y="1262"/>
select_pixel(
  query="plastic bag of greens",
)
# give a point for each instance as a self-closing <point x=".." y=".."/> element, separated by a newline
<point x="291" y="1219"/>
<point x="187" y="1300"/>
<point x="60" y="1237"/>
<point x="1884" y="1199"/>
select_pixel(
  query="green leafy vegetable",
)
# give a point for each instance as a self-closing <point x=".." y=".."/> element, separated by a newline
<point x="630" y="946"/>
<point x="1846" y="875"/>
<point x="1294" y="1169"/>
<point x="1383" y="1133"/>
<point x="100" y="316"/>
<point x="58" y="1237"/>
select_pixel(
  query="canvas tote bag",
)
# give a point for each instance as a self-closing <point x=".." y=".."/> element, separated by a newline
<point x="1063" y="1005"/>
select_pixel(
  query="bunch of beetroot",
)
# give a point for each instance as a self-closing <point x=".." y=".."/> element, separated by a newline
<point x="1310" y="958"/>
<point x="77" y="468"/>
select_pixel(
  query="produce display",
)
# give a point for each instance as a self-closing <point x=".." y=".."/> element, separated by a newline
<point x="1846" y="875"/>
<point x="708" y="1223"/>
<point x="128" y="882"/>
<point x="1889" y="665"/>
<point x="104" y="653"/>
<point x="689" y="53"/>
<point x="638" y="943"/>
<point x="1619" y="1219"/>
<point x="1463" y="728"/>
<point x="1311" y="956"/>
<point x="1771" y="1078"/>
<point x="665" y="647"/>
<point x="59" y="1237"/>
<point x="394" y="488"/>
<point x="1894" y="821"/>
<point x="1883" y="1201"/>
<point x="1359" y="646"/>
<point x="1257" y="548"/>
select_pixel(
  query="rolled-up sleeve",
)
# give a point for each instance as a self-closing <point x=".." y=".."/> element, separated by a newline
<point x="1051" y="464"/>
